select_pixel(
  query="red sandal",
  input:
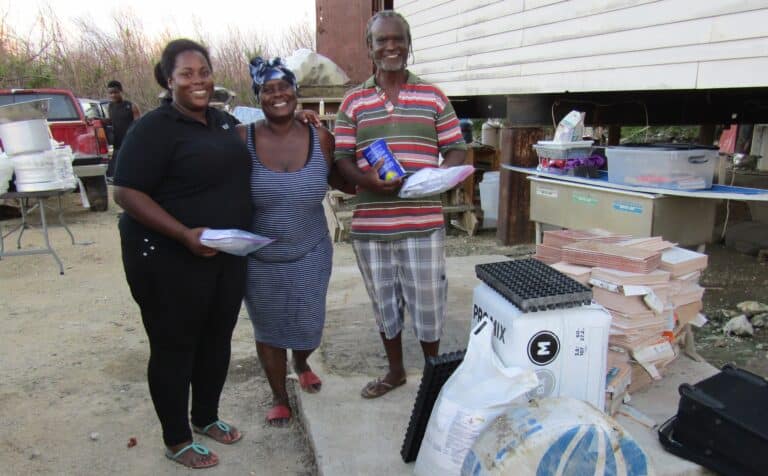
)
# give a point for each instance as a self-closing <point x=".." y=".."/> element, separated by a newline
<point x="279" y="416"/>
<point x="310" y="382"/>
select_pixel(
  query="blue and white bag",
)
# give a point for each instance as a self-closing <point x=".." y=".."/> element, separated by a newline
<point x="555" y="437"/>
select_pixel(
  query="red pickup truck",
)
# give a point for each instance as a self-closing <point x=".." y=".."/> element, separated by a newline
<point x="86" y="136"/>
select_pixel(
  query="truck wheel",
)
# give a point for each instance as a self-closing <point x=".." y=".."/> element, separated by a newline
<point x="96" y="191"/>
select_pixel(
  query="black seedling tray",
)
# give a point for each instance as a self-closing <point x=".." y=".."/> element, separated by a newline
<point x="437" y="370"/>
<point x="532" y="285"/>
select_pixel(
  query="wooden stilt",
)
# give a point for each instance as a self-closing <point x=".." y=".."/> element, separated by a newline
<point x="514" y="225"/>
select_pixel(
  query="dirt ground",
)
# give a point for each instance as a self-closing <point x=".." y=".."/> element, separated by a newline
<point x="73" y="353"/>
<point x="73" y="357"/>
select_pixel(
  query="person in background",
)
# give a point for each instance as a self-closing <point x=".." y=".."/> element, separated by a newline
<point x="466" y="130"/>
<point x="288" y="279"/>
<point x="182" y="169"/>
<point x="399" y="244"/>
<point x="122" y="113"/>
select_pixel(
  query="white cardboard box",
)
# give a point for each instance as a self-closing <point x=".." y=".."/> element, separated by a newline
<point x="567" y="348"/>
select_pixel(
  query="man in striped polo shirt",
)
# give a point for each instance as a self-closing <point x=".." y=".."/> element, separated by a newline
<point x="399" y="244"/>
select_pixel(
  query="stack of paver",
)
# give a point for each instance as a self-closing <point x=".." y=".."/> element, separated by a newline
<point x="650" y="287"/>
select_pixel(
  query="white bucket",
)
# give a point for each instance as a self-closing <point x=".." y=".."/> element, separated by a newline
<point x="6" y="172"/>
<point x="490" y="132"/>
<point x="23" y="127"/>
<point x="36" y="171"/>
<point x="555" y="436"/>
<point x="62" y="164"/>
<point x="24" y="137"/>
<point x="489" y="199"/>
<point x="567" y="348"/>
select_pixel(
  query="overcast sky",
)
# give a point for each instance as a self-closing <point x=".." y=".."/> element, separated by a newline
<point x="176" y="16"/>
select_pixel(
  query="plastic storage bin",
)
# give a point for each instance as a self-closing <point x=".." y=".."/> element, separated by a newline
<point x="563" y="150"/>
<point x="554" y="156"/>
<point x="489" y="198"/>
<point x="667" y="166"/>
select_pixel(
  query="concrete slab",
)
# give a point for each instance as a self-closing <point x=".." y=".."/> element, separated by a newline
<point x="659" y="402"/>
<point x="351" y="343"/>
<point x="351" y="435"/>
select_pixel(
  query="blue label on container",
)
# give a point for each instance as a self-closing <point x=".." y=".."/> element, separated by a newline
<point x="629" y="207"/>
<point x="391" y="169"/>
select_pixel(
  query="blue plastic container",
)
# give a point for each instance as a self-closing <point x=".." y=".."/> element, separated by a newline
<point x="380" y="150"/>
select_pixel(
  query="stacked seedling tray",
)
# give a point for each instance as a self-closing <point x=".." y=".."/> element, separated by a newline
<point x="532" y="285"/>
<point x="437" y="370"/>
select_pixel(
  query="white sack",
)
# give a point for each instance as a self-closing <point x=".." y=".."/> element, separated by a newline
<point x="235" y="242"/>
<point x="479" y="390"/>
<point x="431" y="181"/>
<point x="314" y="69"/>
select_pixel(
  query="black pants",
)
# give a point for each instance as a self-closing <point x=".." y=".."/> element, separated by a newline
<point x="189" y="307"/>
<point x="112" y="165"/>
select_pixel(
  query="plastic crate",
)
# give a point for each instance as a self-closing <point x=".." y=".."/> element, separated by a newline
<point x="666" y="166"/>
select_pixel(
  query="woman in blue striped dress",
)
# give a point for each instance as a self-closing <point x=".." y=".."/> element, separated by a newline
<point x="287" y="280"/>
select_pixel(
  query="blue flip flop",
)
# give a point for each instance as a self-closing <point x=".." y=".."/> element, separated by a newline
<point x="225" y="428"/>
<point x="197" y="448"/>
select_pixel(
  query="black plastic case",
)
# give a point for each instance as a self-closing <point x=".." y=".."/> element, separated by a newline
<point x="725" y="417"/>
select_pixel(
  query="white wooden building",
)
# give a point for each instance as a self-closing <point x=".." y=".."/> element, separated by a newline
<point x="502" y="47"/>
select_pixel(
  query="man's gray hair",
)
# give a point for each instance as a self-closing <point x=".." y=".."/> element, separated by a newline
<point x="386" y="14"/>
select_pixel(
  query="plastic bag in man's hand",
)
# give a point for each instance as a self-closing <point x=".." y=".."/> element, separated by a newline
<point x="431" y="181"/>
<point x="235" y="242"/>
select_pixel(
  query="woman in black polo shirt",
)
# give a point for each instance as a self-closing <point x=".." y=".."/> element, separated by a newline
<point x="182" y="169"/>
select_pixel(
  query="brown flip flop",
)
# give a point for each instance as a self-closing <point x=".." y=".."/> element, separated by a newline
<point x="378" y="387"/>
<point x="225" y="430"/>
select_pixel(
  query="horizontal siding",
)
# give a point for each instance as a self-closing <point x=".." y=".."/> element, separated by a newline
<point x="522" y="46"/>
<point x="723" y="51"/>
<point x="678" y="76"/>
<point x="736" y="73"/>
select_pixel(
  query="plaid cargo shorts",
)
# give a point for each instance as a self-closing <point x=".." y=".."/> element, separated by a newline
<point x="406" y="274"/>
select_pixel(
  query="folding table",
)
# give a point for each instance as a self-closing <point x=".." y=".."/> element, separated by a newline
<point x="29" y="202"/>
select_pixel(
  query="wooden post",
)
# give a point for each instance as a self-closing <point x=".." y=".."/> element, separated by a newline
<point x="707" y="134"/>
<point x="514" y="225"/>
<point x="614" y="134"/>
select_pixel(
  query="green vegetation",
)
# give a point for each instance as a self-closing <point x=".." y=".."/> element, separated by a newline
<point x="84" y="61"/>
<point x="660" y="134"/>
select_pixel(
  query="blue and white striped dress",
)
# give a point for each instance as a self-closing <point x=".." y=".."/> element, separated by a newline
<point x="288" y="279"/>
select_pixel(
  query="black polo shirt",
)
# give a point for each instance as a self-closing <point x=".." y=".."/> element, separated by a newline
<point x="200" y="174"/>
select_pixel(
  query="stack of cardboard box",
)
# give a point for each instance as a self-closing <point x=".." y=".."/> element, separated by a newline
<point x="550" y="250"/>
<point x="618" y="379"/>
<point x="650" y="287"/>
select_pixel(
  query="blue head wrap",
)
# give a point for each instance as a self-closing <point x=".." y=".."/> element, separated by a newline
<point x="263" y="71"/>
